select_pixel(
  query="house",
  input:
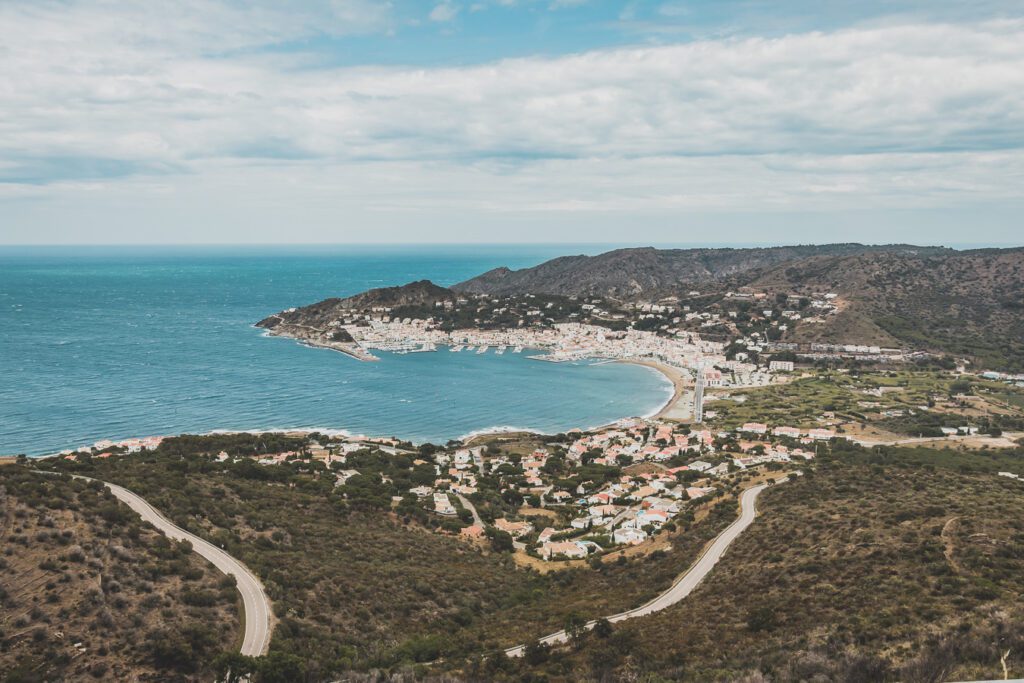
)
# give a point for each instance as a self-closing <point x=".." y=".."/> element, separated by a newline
<point x="545" y="535"/>
<point x="821" y="434"/>
<point x="560" y="496"/>
<point x="699" y="466"/>
<point x="603" y="510"/>
<point x="421" y="491"/>
<point x="472" y="532"/>
<point x="655" y="517"/>
<point x="516" y="529"/>
<point x="566" y="549"/>
<point x="442" y="504"/>
<point x="643" y="492"/>
<point x="781" y="365"/>
<point x="754" y="428"/>
<point x="580" y="523"/>
<point x="789" y="432"/>
<point x="695" y="492"/>
<point x="629" y="536"/>
<point x="713" y="378"/>
<point x="719" y="470"/>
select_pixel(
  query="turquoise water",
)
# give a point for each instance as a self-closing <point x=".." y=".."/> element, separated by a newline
<point x="119" y="342"/>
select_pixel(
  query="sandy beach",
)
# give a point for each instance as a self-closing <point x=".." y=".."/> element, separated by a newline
<point x="675" y="408"/>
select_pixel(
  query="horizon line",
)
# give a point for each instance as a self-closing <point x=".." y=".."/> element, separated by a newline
<point x="623" y="244"/>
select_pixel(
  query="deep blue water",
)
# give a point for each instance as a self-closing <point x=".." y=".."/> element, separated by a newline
<point x="113" y="342"/>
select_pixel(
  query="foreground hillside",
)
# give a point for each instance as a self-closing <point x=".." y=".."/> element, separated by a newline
<point x="89" y="592"/>
<point x="875" y="565"/>
<point x="907" y="566"/>
<point x="358" y="585"/>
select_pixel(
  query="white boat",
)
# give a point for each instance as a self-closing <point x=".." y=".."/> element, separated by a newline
<point x="518" y="349"/>
<point x="501" y="350"/>
<point x="470" y="348"/>
<point x="483" y="349"/>
<point x="456" y="349"/>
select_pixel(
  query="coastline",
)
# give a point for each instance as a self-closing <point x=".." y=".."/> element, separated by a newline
<point x="679" y="384"/>
<point x="677" y="391"/>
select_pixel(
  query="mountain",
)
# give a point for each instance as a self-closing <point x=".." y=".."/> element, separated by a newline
<point x="964" y="303"/>
<point x="419" y="294"/>
<point x="630" y="273"/>
<point x="968" y="303"/>
<point x="961" y="303"/>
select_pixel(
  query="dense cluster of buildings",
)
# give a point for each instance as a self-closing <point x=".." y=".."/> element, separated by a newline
<point x="680" y="468"/>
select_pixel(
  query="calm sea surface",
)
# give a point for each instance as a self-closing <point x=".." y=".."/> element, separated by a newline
<point x="116" y="342"/>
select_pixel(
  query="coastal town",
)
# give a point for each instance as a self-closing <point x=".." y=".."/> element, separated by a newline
<point x="566" y="497"/>
<point x="559" y="498"/>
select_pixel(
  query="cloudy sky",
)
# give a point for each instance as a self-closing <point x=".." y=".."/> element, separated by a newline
<point x="701" y="121"/>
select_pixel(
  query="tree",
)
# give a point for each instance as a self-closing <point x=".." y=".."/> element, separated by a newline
<point x="603" y="628"/>
<point x="536" y="652"/>
<point x="575" y="629"/>
<point x="279" y="667"/>
<point x="501" y="541"/>
<point x="232" y="667"/>
<point x="959" y="387"/>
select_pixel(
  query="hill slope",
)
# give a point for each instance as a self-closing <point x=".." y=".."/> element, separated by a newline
<point x="422" y="293"/>
<point x="963" y="303"/>
<point x="628" y="273"/>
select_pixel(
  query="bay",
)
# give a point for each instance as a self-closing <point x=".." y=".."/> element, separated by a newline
<point x="114" y="342"/>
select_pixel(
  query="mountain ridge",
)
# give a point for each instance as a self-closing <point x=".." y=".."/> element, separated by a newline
<point x="632" y="272"/>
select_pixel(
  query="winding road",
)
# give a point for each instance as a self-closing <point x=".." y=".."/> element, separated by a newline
<point x="254" y="600"/>
<point x="683" y="585"/>
<point x="472" y="508"/>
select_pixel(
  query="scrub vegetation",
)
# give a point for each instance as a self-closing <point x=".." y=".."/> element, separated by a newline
<point x="89" y="592"/>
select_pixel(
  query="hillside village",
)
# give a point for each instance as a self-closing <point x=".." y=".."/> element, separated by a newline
<point x="571" y="496"/>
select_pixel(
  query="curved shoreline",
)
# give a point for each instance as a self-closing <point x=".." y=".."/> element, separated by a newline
<point x="496" y="429"/>
<point x="679" y="383"/>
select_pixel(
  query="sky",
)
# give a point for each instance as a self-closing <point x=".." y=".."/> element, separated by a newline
<point x="620" y="121"/>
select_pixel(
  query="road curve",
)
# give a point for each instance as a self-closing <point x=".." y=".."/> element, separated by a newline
<point x="472" y="508"/>
<point x="254" y="599"/>
<point x="683" y="585"/>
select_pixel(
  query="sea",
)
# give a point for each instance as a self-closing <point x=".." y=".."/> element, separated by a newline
<point x="119" y="342"/>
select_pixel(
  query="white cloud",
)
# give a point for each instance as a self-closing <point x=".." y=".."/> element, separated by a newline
<point x="167" y="99"/>
<point x="445" y="11"/>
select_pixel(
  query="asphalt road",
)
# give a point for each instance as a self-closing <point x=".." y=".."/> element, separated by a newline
<point x="254" y="599"/>
<point x="698" y="398"/>
<point x="469" y="506"/>
<point x="685" y="584"/>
